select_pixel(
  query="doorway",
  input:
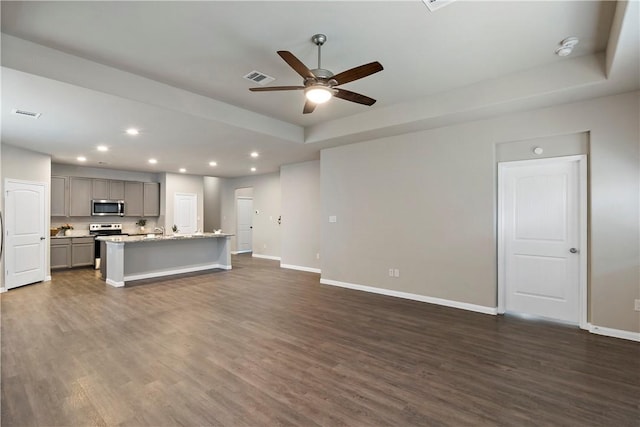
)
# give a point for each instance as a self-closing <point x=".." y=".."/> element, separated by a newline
<point x="244" y="227"/>
<point x="185" y="213"/>
<point x="542" y="238"/>
<point x="25" y="233"/>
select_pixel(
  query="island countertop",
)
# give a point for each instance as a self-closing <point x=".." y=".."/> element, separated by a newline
<point x="158" y="238"/>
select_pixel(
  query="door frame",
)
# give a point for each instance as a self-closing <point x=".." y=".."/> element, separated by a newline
<point x="45" y="251"/>
<point x="582" y="234"/>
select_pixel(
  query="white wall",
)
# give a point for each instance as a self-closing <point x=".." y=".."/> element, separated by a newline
<point x="426" y="203"/>
<point x="266" y="199"/>
<point x="25" y="165"/>
<point x="170" y="184"/>
<point x="300" y="185"/>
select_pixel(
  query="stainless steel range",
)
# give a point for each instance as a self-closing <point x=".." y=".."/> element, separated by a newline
<point x="103" y="230"/>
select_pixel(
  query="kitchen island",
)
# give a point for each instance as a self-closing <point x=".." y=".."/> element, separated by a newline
<point x="128" y="258"/>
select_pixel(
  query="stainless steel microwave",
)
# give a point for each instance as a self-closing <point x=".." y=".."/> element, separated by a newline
<point x="107" y="207"/>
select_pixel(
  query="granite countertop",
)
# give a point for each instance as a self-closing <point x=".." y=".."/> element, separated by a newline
<point x="145" y="238"/>
<point x="72" y="236"/>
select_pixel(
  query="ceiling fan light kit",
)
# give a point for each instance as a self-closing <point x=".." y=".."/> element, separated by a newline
<point x="319" y="84"/>
<point x="318" y="94"/>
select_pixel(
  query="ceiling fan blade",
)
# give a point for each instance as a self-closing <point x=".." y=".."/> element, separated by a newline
<point x="357" y="73"/>
<point x="308" y="107"/>
<point x="353" y="97"/>
<point x="296" y="64"/>
<point x="273" y="88"/>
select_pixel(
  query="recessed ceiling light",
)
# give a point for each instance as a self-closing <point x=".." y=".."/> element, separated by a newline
<point x="153" y="161"/>
<point x="132" y="131"/>
<point x="213" y="164"/>
<point x="103" y="148"/>
<point x="182" y="170"/>
<point x="81" y="159"/>
<point x="254" y="154"/>
<point x="253" y="169"/>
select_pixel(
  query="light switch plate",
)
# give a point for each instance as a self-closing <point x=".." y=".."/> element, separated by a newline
<point x="333" y="218"/>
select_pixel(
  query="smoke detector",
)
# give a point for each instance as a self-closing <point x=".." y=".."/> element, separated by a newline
<point x="566" y="46"/>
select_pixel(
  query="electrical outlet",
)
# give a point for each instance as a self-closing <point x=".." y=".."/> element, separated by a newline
<point x="391" y="272"/>
<point x="636" y="305"/>
<point x="318" y="255"/>
<point x="265" y="246"/>
<point x="333" y="218"/>
<point x="396" y="272"/>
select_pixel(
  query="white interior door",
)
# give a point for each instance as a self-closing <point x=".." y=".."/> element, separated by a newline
<point x="244" y="209"/>
<point x="543" y="237"/>
<point x="25" y="227"/>
<point x="185" y="213"/>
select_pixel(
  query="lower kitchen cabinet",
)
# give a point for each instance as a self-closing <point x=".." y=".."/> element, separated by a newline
<point x="60" y="253"/>
<point x="82" y="251"/>
<point x="68" y="252"/>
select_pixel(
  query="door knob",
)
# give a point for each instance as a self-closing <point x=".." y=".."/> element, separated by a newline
<point x="573" y="250"/>
<point x="42" y="238"/>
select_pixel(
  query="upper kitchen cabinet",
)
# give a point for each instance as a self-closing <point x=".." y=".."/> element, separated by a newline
<point x="116" y="190"/>
<point x="107" y="189"/>
<point x="100" y="189"/>
<point x="59" y="196"/>
<point x="133" y="198"/>
<point x="151" y="199"/>
<point x="80" y="195"/>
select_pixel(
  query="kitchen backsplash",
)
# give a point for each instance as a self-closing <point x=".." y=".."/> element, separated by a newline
<point x="81" y="225"/>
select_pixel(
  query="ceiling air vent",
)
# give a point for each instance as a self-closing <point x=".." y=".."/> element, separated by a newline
<point x="26" y="113"/>
<point x="434" y="5"/>
<point x="258" y="77"/>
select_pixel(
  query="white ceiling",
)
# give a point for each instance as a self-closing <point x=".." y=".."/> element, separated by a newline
<point x="174" y="69"/>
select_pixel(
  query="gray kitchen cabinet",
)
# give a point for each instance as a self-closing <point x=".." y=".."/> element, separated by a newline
<point x="107" y="189"/>
<point x="59" y="196"/>
<point x="151" y="206"/>
<point x="133" y="198"/>
<point x="80" y="195"/>
<point x="67" y="252"/>
<point x="82" y="251"/>
<point x="116" y="190"/>
<point x="60" y="253"/>
<point x="100" y="189"/>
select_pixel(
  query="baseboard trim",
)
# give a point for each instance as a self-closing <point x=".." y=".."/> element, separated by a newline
<point x="115" y="284"/>
<point x="47" y="278"/>
<point x="301" y="268"/>
<point x="3" y="290"/>
<point x="614" y="333"/>
<point x="163" y="273"/>
<point x="422" y="298"/>
<point x="274" y="258"/>
<point x="240" y="252"/>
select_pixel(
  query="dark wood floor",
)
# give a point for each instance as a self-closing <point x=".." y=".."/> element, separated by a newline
<point x="263" y="346"/>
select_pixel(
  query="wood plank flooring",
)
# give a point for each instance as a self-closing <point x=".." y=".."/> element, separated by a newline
<point x="263" y="346"/>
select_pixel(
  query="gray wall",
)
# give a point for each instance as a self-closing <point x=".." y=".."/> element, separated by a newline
<point x="212" y="203"/>
<point x="27" y="166"/>
<point x="300" y="185"/>
<point x="84" y="171"/>
<point x="426" y="203"/>
<point x="170" y="184"/>
<point x="266" y="199"/>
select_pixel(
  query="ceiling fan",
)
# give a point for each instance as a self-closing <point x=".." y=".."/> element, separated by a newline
<point x="320" y="85"/>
